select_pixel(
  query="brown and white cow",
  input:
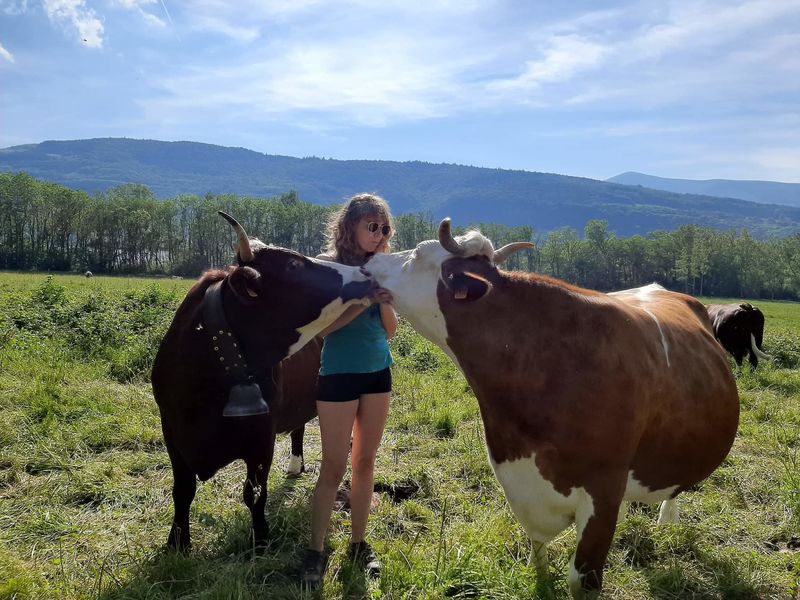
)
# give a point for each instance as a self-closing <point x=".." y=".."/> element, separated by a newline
<point x="587" y="399"/>
<point x="273" y="303"/>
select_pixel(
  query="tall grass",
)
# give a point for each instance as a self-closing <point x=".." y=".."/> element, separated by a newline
<point x="85" y="481"/>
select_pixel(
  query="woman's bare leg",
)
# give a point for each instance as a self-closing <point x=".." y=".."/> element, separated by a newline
<point x="336" y="426"/>
<point x="367" y="432"/>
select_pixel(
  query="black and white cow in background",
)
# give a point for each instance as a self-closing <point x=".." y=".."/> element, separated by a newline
<point x="740" y="330"/>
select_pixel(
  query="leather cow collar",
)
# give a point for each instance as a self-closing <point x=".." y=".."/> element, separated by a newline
<point x="244" y="398"/>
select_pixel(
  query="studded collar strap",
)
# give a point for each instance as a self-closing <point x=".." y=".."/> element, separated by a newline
<point x="227" y="350"/>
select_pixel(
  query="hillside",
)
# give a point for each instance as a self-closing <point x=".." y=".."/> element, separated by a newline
<point x="468" y="194"/>
<point x="773" y="192"/>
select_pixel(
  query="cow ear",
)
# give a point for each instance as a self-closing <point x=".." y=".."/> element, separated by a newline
<point x="245" y="282"/>
<point x="468" y="287"/>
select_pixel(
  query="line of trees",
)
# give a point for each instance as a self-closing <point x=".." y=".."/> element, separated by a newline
<point x="46" y="226"/>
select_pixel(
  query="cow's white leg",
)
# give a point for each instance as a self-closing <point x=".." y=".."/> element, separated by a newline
<point x="595" y="523"/>
<point x="538" y="557"/>
<point x="583" y="512"/>
<point x="295" y="465"/>
<point x="668" y="513"/>
<point x="622" y="513"/>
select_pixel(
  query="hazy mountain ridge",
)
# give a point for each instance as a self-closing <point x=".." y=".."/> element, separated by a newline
<point x="468" y="194"/>
<point x="774" y="192"/>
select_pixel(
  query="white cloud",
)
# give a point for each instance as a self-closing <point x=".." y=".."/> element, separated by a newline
<point x="153" y="20"/>
<point x="371" y="79"/>
<point x="14" y="7"/>
<point x="138" y="6"/>
<point x="375" y="68"/>
<point x="235" y="19"/>
<point x="643" y="56"/>
<point x="692" y="25"/>
<point x="564" y="57"/>
<point x="6" y="54"/>
<point x="131" y="4"/>
<point x="75" y="14"/>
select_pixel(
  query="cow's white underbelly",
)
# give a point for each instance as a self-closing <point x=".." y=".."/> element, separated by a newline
<point x="545" y="512"/>
<point x="540" y="509"/>
<point x="636" y="492"/>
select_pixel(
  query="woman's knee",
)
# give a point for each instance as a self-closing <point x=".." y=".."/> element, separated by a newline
<point x="363" y="465"/>
<point x="332" y="473"/>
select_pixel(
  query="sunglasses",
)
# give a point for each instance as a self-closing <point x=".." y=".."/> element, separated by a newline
<point x="384" y="229"/>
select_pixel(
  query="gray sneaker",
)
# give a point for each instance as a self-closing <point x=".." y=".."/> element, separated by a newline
<point x="362" y="554"/>
<point x="313" y="569"/>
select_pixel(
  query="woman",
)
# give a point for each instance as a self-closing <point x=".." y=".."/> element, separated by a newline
<point x="355" y="384"/>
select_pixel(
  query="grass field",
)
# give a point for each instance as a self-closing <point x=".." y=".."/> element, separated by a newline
<point x="85" y="502"/>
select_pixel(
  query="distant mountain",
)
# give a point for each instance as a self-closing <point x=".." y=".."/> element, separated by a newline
<point x="468" y="194"/>
<point x="771" y="192"/>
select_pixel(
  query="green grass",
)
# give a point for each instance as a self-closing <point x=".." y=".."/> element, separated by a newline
<point x="85" y="502"/>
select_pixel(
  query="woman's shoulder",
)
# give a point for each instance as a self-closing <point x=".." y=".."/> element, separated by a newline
<point x="326" y="256"/>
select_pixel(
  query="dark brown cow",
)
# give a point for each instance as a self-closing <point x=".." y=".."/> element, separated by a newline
<point x="587" y="399"/>
<point x="300" y="372"/>
<point x="274" y="302"/>
<point x="740" y="330"/>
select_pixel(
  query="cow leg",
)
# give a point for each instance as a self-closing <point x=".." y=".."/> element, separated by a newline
<point x="622" y="512"/>
<point x="753" y="358"/>
<point x="668" y="512"/>
<point x="595" y="521"/>
<point x="538" y="558"/>
<point x="296" y="463"/>
<point x="255" y="495"/>
<point x="184" y="486"/>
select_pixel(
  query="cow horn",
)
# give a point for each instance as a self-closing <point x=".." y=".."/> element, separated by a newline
<point x="446" y="238"/>
<point x="509" y="249"/>
<point x="756" y="350"/>
<point x="245" y="251"/>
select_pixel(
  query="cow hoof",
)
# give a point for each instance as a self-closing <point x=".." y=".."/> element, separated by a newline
<point x="296" y="466"/>
<point x="261" y="547"/>
<point x="177" y="544"/>
<point x="260" y="540"/>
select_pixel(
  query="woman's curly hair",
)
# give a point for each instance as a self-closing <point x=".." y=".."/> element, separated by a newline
<point x="341" y="241"/>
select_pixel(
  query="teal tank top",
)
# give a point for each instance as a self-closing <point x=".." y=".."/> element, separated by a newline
<point x="358" y="347"/>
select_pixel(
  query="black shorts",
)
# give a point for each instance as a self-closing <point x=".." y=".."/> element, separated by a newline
<point x="343" y="387"/>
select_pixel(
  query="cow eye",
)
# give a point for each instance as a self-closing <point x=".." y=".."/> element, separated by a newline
<point x="293" y="264"/>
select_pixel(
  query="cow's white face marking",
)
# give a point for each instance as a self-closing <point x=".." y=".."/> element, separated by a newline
<point x="640" y="297"/>
<point x="334" y="309"/>
<point x="541" y="510"/>
<point x="349" y="274"/>
<point x="328" y="315"/>
<point x="412" y="276"/>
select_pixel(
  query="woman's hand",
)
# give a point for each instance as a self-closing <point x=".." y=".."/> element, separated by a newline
<point x="382" y="296"/>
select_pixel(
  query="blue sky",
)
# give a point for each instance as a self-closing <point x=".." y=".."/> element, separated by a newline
<point x="690" y="89"/>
